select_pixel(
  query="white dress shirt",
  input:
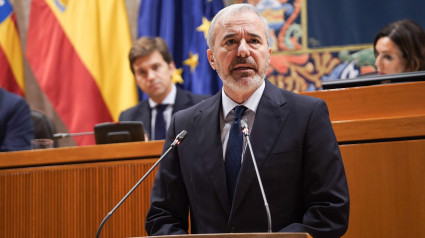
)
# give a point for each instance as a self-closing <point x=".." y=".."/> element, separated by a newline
<point x="169" y="100"/>
<point x="227" y="112"/>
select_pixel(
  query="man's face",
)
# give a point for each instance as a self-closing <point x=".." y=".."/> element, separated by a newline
<point x="240" y="54"/>
<point x="153" y="75"/>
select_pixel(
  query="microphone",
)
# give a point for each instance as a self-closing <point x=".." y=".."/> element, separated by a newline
<point x="63" y="135"/>
<point x="179" y="138"/>
<point x="245" y="132"/>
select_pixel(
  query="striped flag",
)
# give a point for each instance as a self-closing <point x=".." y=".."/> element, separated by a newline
<point x="11" y="64"/>
<point x="78" y="53"/>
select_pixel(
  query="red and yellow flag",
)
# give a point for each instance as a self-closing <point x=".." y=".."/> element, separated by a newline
<point x="11" y="64"/>
<point x="78" y="53"/>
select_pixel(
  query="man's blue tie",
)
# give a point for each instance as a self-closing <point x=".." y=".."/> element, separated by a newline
<point x="160" y="130"/>
<point x="233" y="155"/>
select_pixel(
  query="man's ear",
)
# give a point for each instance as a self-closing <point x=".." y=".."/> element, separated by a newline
<point x="172" y="66"/>
<point x="211" y="58"/>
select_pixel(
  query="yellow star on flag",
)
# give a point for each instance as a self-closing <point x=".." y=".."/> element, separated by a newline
<point x="177" y="76"/>
<point x="204" y="26"/>
<point x="192" y="61"/>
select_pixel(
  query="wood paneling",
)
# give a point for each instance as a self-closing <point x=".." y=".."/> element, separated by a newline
<point x="376" y="112"/>
<point x="387" y="189"/>
<point x="380" y="128"/>
<point x="82" y="154"/>
<point x="58" y="199"/>
<point x="378" y="101"/>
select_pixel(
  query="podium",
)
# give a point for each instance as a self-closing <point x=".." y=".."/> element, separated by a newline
<point x="240" y="235"/>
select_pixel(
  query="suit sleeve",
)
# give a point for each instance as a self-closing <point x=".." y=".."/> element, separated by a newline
<point x="19" y="129"/>
<point x="169" y="207"/>
<point x="326" y="198"/>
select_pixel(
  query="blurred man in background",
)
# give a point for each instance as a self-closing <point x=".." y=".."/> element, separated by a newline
<point x="153" y="67"/>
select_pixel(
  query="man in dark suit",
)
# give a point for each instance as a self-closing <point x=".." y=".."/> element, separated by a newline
<point x="153" y="68"/>
<point x="293" y="142"/>
<point x="16" y="130"/>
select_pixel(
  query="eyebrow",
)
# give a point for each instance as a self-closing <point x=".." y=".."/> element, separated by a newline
<point x="231" y="35"/>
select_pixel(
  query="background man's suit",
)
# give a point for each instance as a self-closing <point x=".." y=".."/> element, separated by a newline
<point x="142" y="111"/>
<point x="298" y="159"/>
<point x="16" y="130"/>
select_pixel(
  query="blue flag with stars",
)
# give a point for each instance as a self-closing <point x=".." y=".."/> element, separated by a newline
<point x="183" y="24"/>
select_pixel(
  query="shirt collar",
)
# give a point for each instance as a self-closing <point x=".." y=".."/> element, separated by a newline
<point x="251" y="103"/>
<point x="169" y="99"/>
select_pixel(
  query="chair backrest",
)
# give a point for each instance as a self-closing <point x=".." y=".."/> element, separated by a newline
<point x="43" y="126"/>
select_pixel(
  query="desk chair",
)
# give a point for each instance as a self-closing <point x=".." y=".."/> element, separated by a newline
<point x="43" y="126"/>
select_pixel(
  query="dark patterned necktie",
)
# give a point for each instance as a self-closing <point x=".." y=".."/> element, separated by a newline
<point x="160" y="130"/>
<point x="234" y="151"/>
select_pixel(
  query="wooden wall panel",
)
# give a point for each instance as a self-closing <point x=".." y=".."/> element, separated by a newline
<point x="376" y="112"/>
<point x="386" y="184"/>
<point x="72" y="200"/>
<point x="377" y="101"/>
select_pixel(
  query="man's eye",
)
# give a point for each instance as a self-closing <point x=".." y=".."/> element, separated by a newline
<point x="255" y="41"/>
<point x="230" y="42"/>
<point x="141" y="73"/>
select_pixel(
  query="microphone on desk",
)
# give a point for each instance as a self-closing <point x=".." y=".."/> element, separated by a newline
<point x="112" y="132"/>
<point x="245" y="131"/>
<point x="179" y="138"/>
<point x="63" y="135"/>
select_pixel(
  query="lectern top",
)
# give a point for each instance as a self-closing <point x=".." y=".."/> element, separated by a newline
<point x="241" y="235"/>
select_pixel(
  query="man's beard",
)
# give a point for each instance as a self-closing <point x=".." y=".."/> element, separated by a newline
<point x="244" y="83"/>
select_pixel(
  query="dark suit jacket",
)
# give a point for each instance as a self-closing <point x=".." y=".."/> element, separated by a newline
<point x="16" y="131"/>
<point x="142" y="111"/>
<point x="298" y="159"/>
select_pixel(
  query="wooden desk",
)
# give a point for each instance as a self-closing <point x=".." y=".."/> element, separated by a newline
<point x="381" y="130"/>
<point x="376" y="112"/>
<point x="66" y="192"/>
<point x="386" y="181"/>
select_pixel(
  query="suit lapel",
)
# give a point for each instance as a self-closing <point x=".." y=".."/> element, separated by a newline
<point x="212" y="150"/>
<point x="145" y="116"/>
<point x="268" y="123"/>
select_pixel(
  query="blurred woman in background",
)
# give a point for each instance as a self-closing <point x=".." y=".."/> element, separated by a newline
<point x="400" y="47"/>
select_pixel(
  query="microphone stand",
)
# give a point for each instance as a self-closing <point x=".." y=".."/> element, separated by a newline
<point x="245" y="132"/>
<point x="179" y="138"/>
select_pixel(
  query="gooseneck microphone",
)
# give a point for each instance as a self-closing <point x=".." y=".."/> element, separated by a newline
<point x="179" y="138"/>
<point x="245" y="132"/>
<point x="63" y="135"/>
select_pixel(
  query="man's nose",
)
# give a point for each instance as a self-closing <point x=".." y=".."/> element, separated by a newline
<point x="243" y="49"/>
<point x="150" y="75"/>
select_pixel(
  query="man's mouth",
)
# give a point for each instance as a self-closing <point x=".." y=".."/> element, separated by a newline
<point x="243" y="68"/>
<point x="154" y="86"/>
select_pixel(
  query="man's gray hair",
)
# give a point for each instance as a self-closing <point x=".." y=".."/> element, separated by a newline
<point x="235" y="8"/>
